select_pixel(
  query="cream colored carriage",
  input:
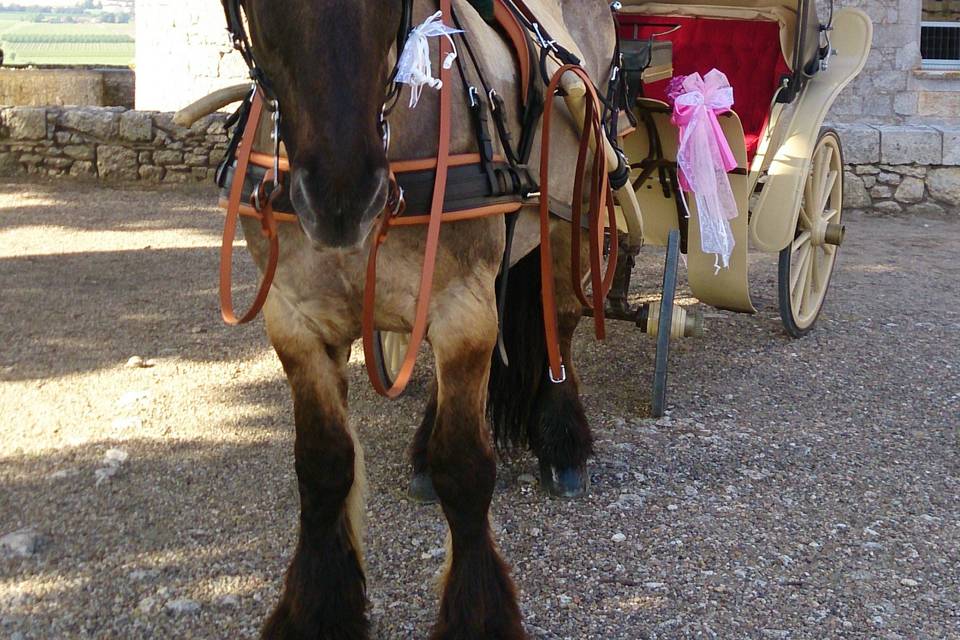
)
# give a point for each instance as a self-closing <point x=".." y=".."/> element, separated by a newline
<point x="787" y="65"/>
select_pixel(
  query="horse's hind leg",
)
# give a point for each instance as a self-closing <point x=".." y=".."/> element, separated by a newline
<point x="478" y="601"/>
<point x="324" y="595"/>
<point x="525" y="405"/>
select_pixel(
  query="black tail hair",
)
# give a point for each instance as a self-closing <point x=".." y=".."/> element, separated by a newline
<point x="513" y="392"/>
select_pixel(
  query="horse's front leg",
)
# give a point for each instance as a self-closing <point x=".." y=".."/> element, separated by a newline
<point x="478" y="600"/>
<point x="324" y="596"/>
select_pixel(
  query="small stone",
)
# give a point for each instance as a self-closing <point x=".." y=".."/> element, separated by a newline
<point x="115" y="162"/>
<point x="167" y="157"/>
<point x="654" y="585"/>
<point x="910" y="190"/>
<point x="882" y="191"/>
<point x="115" y="456"/>
<point x="888" y="208"/>
<point x="909" y="582"/>
<point x="926" y="209"/>
<point x="183" y="606"/>
<point x="229" y="600"/>
<point x="147" y="604"/>
<point x="22" y="543"/>
<point x="27" y="123"/>
<point x="83" y="169"/>
<point x="944" y="185"/>
<point x="136" y="126"/>
<point x="134" y="362"/>
<point x="888" y="178"/>
<point x="535" y="532"/>
<point x="855" y="195"/>
<point x="618" y="537"/>
<point x="672" y="507"/>
<point x="151" y="173"/>
<point x="565" y="600"/>
<point x="526" y="479"/>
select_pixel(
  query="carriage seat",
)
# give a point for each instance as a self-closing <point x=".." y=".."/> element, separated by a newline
<point x="747" y="51"/>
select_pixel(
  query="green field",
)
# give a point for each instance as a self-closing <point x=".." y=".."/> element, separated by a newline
<point x="27" y="42"/>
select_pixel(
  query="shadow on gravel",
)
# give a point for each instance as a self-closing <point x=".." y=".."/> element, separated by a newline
<point x="87" y="206"/>
<point x="80" y="312"/>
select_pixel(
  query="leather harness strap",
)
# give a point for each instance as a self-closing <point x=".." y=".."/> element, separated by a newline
<point x="600" y="197"/>
<point x="267" y="221"/>
<point x="419" y="330"/>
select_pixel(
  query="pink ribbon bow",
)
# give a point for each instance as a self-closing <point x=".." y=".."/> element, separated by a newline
<point x="704" y="157"/>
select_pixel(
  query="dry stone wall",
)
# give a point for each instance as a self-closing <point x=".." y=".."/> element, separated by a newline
<point x="108" y="143"/>
<point x="902" y="169"/>
<point x="890" y="169"/>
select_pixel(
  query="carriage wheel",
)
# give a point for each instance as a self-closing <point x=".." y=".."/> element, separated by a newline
<point x="389" y="348"/>
<point x="806" y="265"/>
<point x="671" y="264"/>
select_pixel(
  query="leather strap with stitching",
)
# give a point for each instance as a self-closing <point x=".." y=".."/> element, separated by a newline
<point x="421" y="318"/>
<point x="267" y="221"/>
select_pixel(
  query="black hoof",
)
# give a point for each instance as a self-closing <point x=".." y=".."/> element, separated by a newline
<point x="421" y="489"/>
<point x="568" y="483"/>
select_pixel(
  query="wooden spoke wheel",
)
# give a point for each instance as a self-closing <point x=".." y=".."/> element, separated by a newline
<point x="389" y="350"/>
<point x="806" y="265"/>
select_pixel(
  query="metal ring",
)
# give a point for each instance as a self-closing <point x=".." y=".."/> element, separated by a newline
<point x="563" y="374"/>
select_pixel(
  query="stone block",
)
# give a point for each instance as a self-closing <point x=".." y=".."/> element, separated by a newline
<point x="926" y="209"/>
<point x="151" y="173"/>
<point x="882" y="191"/>
<point x="9" y="166"/>
<point x="57" y="163"/>
<point x="136" y="126"/>
<point x="910" y="190"/>
<point x="167" y="157"/>
<point x="96" y="123"/>
<point x="83" y="169"/>
<point x="855" y="194"/>
<point x="910" y="145"/>
<point x="79" y="152"/>
<point x="939" y="104"/>
<point x="195" y="160"/>
<point x="951" y="144"/>
<point x="888" y="178"/>
<point x="116" y="162"/>
<point x="861" y="143"/>
<point x="888" y="208"/>
<point x="26" y="123"/>
<point x="944" y="185"/>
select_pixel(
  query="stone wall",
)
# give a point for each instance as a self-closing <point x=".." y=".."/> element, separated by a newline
<point x="890" y="169"/>
<point x="902" y="169"/>
<point x="109" y="144"/>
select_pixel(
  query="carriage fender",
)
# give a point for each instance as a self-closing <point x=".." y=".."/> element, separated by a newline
<point x="775" y="215"/>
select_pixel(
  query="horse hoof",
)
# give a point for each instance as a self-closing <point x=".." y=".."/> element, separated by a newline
<point x="568" y="483"/>
<point x="421" y="489"/>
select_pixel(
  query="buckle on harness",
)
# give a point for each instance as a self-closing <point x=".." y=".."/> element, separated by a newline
<point x="563" y="374"/>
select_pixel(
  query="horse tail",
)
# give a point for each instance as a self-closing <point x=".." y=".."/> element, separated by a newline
<point x="514" y="390"/>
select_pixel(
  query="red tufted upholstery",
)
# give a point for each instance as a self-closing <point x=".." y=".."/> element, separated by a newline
<point x="747" y="51"/>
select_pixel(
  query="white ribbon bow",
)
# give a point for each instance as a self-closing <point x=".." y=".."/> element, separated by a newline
<point x="414" y="67"/>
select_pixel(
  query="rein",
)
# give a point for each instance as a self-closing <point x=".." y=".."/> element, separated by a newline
<point x="515" y="176"/>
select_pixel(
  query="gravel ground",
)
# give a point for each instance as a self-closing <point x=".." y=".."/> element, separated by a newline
<point x="798" y="489"/>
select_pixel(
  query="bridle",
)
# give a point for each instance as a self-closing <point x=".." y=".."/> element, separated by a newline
<point x="236" y="26"/>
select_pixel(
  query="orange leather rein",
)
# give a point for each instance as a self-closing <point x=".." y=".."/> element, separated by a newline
<point x="601" y="201"/>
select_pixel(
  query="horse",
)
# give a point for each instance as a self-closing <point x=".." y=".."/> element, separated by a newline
<point x="328" y="63"/>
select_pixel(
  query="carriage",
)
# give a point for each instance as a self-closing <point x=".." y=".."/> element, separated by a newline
<point x="786" y="66"/>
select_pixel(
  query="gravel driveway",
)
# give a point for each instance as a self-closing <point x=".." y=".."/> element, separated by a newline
<point x="798" y="489"/>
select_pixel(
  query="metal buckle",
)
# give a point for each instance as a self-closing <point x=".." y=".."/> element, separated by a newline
<point x="472" y="94"/>
<point x="563" y="374"/>
<point x="542" y="41"/>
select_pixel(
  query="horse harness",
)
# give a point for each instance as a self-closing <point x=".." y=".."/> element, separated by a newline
<point x="447" y="188"/>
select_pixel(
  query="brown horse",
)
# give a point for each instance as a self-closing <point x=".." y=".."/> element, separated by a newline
<point x="328" y="62"/>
